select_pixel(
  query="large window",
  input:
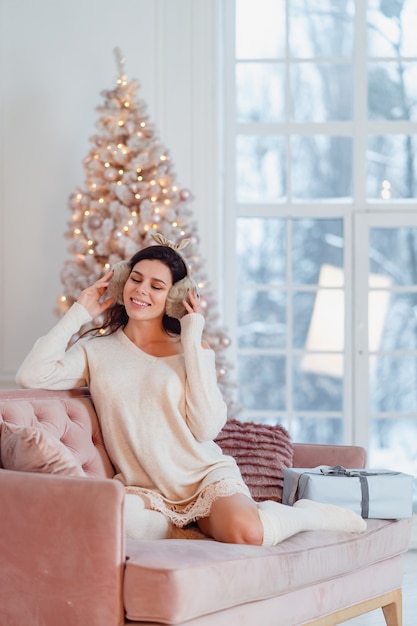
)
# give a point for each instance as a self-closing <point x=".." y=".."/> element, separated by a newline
<point x="321" y="197"/>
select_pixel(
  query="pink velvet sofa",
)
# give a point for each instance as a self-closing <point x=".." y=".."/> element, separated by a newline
<point x="64" y="559"/>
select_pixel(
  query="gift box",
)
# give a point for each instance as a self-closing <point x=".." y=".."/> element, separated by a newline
<point x="374" y="493"/>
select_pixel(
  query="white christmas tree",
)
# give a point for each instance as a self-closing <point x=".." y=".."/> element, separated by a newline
<point x="130" y="192"/>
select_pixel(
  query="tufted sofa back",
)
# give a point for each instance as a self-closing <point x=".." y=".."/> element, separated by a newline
<point x="68" y="415"/>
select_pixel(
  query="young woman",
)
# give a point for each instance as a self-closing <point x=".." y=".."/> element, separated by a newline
<point x="153" y="384"/>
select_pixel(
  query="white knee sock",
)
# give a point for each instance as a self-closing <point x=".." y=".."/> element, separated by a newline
<point x="281" y="521"/>
<point x="141" y="523"/>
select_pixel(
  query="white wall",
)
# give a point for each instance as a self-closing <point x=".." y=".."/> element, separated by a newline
<point x="55" y="59"/>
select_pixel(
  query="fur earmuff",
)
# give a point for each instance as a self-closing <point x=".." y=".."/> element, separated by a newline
<point x="178" y="293"/>
<point x="117" y="282"/>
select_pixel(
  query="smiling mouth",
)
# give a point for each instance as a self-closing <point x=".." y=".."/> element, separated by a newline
<point x="140" y="303"/>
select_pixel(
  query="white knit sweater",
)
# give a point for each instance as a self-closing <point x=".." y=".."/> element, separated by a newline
<point x="159" y="415"/>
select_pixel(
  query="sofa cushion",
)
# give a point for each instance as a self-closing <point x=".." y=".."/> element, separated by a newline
<point x="262" y="452"/>
<point x="30" y="449"/>
<point x="167" y="582"/>
<point x="68" y="415"/>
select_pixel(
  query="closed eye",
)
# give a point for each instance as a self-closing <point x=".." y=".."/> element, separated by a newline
<point x="139" y="280"/>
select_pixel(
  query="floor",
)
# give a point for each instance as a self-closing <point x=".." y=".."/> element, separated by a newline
<point x="376" y="618"/>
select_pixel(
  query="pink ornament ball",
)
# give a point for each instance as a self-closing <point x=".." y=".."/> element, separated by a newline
<point x="94" y="221"/>
<point x="185" y="194"/>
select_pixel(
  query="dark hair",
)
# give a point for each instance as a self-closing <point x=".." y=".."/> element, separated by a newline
<point x="115" y="316"/>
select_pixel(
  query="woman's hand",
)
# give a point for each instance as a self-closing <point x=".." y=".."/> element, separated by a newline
<point x="90" y="298"/>
<point x="193" y="306"/>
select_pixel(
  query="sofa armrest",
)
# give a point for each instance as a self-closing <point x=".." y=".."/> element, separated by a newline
<point x="314" y="454"/>
<point x="62" y="550"/>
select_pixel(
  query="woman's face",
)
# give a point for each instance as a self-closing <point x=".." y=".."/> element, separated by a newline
<point x="146" y="290"/>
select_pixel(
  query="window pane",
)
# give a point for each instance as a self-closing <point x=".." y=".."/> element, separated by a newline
<point x="261" y="381"/>
<point x="393" y="444"/>
<point x="319" y="324"/>
<point x="321" y="29"/>
<point x="315" y="243"/>
<point x="302" y="313"/>
<point x="260" y="92"/>
<point x="393" y="384"/>
<point x="392" y="91"/>
<point x="392" y="321"/>
<point x="260" y="29"/>
<point x="318" y="382"/>
<point x="261" y="319"/>
<point x="312" y="430"/>
<point x="260" y="163"/>
<point x="392" y="257"/>
<point x="391" y="166"/>
<point x="392" y="27"/>
<point x="321" y="167"/>
<point x="261" y="251"/>
<point x="321" y="92"/>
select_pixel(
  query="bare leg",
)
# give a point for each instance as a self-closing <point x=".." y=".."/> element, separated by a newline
<point x="233" y="519"/>
<point x="238" y="519"/>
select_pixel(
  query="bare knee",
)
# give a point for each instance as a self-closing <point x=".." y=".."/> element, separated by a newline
<point x="246" y="531"/>
<point x="234" y="524"/>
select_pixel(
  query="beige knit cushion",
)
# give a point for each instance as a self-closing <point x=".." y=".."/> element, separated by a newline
<point x="262" y="451"/>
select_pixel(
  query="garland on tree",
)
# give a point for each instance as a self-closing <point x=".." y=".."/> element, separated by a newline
<point x="131" y="192"/>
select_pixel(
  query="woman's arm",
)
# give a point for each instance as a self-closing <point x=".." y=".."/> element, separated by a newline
<point x="49" y="365"/>
<point x="205" y="407"/>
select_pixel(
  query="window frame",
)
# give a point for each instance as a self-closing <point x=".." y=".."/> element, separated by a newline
<point x="357" y="213"/>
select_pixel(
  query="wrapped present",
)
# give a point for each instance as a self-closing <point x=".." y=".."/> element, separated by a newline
<point x="374" y="493"/>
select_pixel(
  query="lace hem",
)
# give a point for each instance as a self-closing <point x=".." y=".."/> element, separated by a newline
<point x="183" y="514"/>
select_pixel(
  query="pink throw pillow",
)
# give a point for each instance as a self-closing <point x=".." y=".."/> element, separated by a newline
<point x="262" y="452"/>
<point x="30" y="449"/>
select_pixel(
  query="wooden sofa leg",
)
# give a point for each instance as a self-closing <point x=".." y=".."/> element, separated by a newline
<point x="393" y="611"/>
